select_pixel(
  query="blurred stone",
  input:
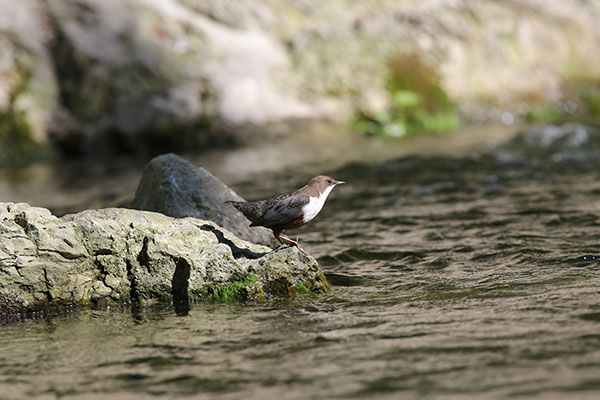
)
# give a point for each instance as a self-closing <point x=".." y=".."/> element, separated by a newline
<point x="27" y="83"/>
<point x="552" y="143"/>
<point x="175" y="187"/>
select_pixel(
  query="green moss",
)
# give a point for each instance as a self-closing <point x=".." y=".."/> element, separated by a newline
<point x="417" y="102"/>
<point x="301" y="289"/>
<point x="17" y="148"/>
<point x="320" y="284"/>
<point x="229" y="293"/>
<point x="313" y="287"/>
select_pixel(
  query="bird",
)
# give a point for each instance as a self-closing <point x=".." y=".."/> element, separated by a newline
<point x="289" y="210"/>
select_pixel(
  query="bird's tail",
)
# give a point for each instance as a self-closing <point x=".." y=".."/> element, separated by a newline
<point x="244" y="207"/>
<point x="240" y="206"/>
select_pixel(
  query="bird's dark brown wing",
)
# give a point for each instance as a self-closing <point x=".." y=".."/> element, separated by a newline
<point x="283" y="209"/>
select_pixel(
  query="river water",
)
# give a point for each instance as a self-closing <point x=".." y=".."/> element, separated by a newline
<point x="466" y="276"/>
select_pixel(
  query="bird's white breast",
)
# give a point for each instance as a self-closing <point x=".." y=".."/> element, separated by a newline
<point x="315" y="205"/>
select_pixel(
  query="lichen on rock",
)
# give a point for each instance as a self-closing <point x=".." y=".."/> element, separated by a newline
<point x="114" y="255"/>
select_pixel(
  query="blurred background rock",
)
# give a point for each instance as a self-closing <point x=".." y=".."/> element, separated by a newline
<point x="89" y="77"/>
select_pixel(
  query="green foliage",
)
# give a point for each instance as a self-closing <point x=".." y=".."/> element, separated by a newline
<point x="229" y="293"/>
<point x="417" y="102"/>
<point x="544" y="113"/>
<point x="408" y="73"/>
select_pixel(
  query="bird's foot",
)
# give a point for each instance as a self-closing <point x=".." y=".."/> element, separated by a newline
<point x="286" y="240"/>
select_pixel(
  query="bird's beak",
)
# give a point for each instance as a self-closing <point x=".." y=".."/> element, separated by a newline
<point x="339" y="182"/>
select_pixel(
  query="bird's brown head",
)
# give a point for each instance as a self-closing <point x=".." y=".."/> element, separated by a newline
<point x="320" y="184"/>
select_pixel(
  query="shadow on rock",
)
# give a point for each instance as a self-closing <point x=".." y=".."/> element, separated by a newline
<point x="236" y="251"/>
<point x="179" y="287"/>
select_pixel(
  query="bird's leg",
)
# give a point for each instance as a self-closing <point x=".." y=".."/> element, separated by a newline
<point x="282" y="239"/>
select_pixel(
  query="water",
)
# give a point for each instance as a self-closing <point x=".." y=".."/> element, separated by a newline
<point x="454" y="277"/>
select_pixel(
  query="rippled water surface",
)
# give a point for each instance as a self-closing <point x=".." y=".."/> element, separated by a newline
<point x="453" y="277"/>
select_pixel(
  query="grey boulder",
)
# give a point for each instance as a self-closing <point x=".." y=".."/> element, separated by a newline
<point x="175" y="187"/>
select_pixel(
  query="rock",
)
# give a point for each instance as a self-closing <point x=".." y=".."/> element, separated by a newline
<point x="28" y="89"/>
<point x="175" y="187"/>
<point x="113" y="255"/>
<point x="546" y="144"/>
<point x="156" y="69"/>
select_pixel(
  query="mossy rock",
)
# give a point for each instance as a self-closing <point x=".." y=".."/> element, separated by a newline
<point x="239" y="290"/>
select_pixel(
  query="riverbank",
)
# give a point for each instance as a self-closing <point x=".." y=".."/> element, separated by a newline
<point x="88" y="78"/>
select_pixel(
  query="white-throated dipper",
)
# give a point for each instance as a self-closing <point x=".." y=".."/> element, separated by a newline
<point x="289" y="210"/>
